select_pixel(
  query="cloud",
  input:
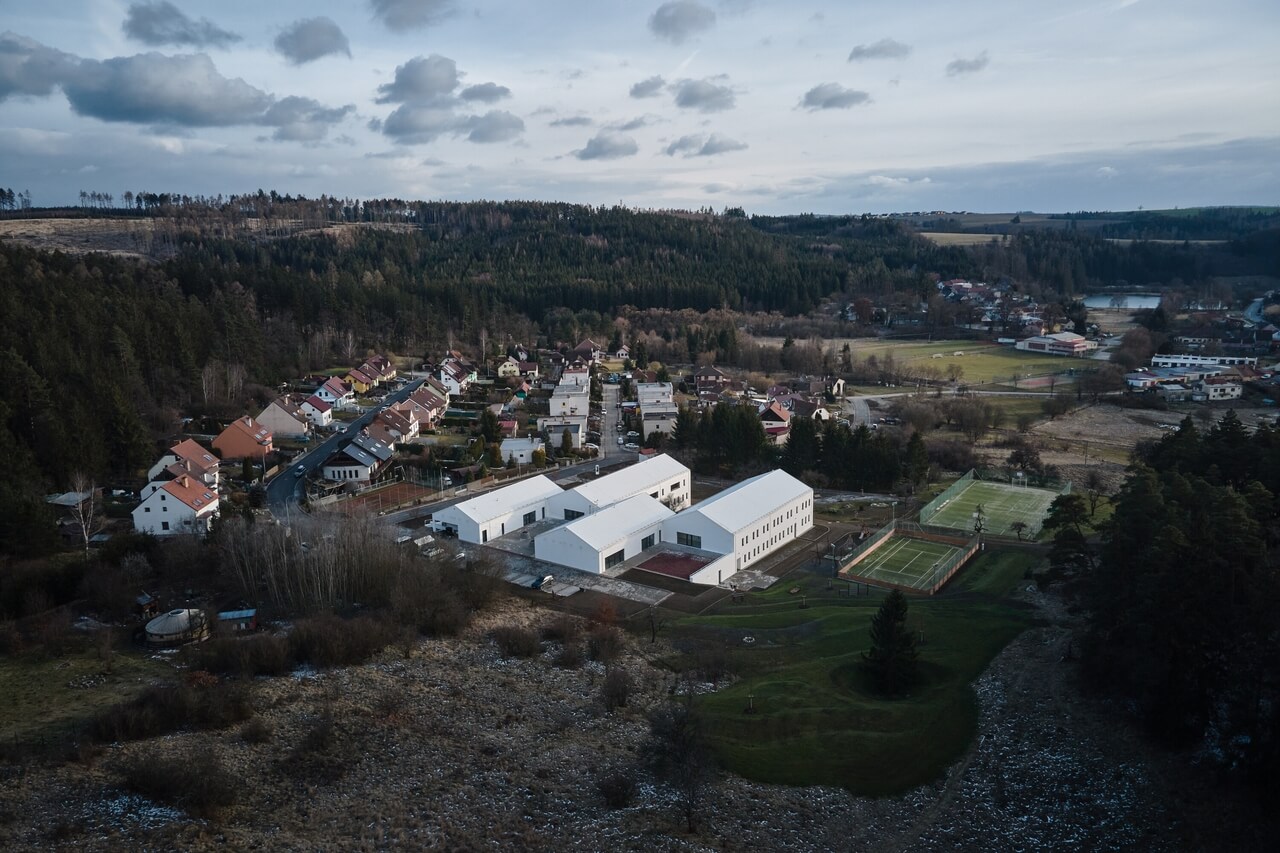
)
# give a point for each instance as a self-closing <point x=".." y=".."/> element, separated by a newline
<point x="573" y="121"/>
<point x="309" y="39"/>
<point x="679" y="19"/>
<point x="30" y="68"/>
<point x="633" y="124"/>
<point x="159" y="22"/>
<point x="303" y="119"/>
<point x="833" y="96"/>
<point x="1107" y="172"/>
<point x="493" y="126"/>
<point x="696" y="145"/>
<point x="888" y="182"/>
<point x="485" y="92"/>
<point x="153" y="88"/>
<point x="607" y="146"/>
<point x="703" y="95"/>
<point x="648" y="88"/>
<point x="421" y="79"/>
<point x="411" y="14"/>
<point x="717" y="188"/>
<point x="883" y="49"/>
<point x="967" y="66"/>
<point x="413" y="124"/>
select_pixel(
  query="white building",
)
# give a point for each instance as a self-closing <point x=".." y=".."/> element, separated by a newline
<point x="660" y="477"/>
<point x="1201" y="360"/>
<point x="579" y="377"/>
<point x="1062" y="343"/>
<point x="499" y="512"/>
<point x="180" y="505"/>
<point x="570" y="400"/>
<point x="555" y="428"/>
<point x="748" y="521"/>
<point x="317" y="411"/>
<point x="606" y="539"/>
<point x="654" y="393"/>
<point x="521" y="449"/>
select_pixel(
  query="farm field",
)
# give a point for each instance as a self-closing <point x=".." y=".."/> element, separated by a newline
<point x="1002" y="505"/>
<point x="815" y="721"/>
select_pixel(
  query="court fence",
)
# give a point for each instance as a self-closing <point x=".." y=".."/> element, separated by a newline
<point x="937" y="577"/>
<point x="931" y="509"/>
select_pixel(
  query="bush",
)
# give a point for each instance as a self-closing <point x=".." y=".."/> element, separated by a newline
<point x="570" y="656"/>
<point x="563" y="628"/>
<point x="161" y="710"/>
<point x="257" y="730"/>
<point x="618" y="789"/>
<point x="616" y="688"/>
<point x="515" y="641"/>
<point x="604" y="643"/>
<point x="328" y="641"/>
<point x="195" y="782"/>
<point x="263" y="654"/>
<point x="319" y="755"/>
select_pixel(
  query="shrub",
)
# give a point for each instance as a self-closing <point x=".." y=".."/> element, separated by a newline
<point x="570" y="656"/>
<point x="328" y="641"/>
<point x="616" y="688"/>
<point x="515" y="641"/>
<point x="256" y="730"/>
<point x="160" y="710"/>
<point x="263" y="654"/>
<point x="617" y="789"/>
<point x="196" y="782"/>
<point x="604" y="643"/>
<point x="319" y="755"/>
<point x="563" y="628"/>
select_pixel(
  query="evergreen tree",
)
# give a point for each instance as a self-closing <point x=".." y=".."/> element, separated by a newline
<point x="915" y="465"/>
<point x="892" y="658"/>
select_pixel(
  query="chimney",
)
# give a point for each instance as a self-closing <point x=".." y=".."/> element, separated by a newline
<point x="248" y="421"/>
<point x="185" y="481"/>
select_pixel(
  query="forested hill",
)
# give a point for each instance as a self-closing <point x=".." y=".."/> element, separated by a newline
<point x="101" y="354"/>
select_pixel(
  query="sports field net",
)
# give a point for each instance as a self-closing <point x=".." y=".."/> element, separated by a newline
<point x="999" y="509"/>
<point x="909" y="556"/>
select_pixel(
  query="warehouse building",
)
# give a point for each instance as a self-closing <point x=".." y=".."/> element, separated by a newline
<point x="499" y="512"/>
<point x="608" y="538"/>
<point x="660" y="477"/>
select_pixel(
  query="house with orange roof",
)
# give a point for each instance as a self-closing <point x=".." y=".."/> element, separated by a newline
<point x="244" y="438"/>
<point x="361" y="381"/>
<point x="181" y="505"/>
<point x="190" y="458"/>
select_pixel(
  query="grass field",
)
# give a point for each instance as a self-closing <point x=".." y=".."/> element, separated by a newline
<point x="982" y="362"/>
<point x="904" y="561"/>
<point x="1002" y="505"/>
<point x="815" y="720"/>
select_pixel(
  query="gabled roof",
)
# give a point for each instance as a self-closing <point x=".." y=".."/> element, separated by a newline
<point x="202" y="459"/>
<point x="775" y="412"/>
<point x="337" y="387"/>
<point x="192" y="492"/>
<point x="613" y="524"/>
<point x="316" y="403"/>
<point x="378" y="449"/>
<point x="361" y="376"/>
<point x="350" y="455"/>
<point x="739" y="505"/>
<point x="502" y="501"/>
<point x="287" y="405"/>
<point x="641" y="477"/>
<point x="251" y="428"/>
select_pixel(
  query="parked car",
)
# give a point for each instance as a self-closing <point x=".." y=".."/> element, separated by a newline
<point x="621" y="441"/>
<point x="300" y="471"/>
<point x="632" y="446"/>
<point x="539" y="583"/>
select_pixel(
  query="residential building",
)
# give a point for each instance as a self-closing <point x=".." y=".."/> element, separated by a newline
<point x="508" y="369"/>
<point x="336" y="393"/>
<point x="284" y="417"/>
<point x="181" y="505"/>
<point x="520" y="449"/>
<point x="194" y="459"/>
<point x="317" y="411"/>
<point x="244" y="438"/>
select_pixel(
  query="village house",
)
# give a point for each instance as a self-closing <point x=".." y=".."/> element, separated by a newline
<point x="187" y="457"/>
<point x="317" y="411"/>
<point x="244" y="438"/>
<point x="285" y="417"/>
<point x="336" y="393"/>
<point x="180" y="505"/>
<point x="777" y="423"/>
<point x="520" y="449"/>
<point x="508" y="369"/>
<point x="589" y="351"/>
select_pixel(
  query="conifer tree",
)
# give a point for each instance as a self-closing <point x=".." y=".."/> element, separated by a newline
<point x="892" y="656"/>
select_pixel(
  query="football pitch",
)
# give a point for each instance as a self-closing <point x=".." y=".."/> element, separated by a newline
<point x="1002" y="505"/>
<point x="904" y="561"/>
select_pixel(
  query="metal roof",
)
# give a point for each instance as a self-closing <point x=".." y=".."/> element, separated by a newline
<point x="739" y="505"/>
<point x="613" y="524"/>
<point x="632" y="480"/>
<point x="502" y="501"/>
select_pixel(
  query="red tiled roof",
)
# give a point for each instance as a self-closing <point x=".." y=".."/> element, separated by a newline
<point x="192" y="492"/>
<point x="202" y="459"/>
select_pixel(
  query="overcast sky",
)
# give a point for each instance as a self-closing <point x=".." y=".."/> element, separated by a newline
<point x="780" y="107"/>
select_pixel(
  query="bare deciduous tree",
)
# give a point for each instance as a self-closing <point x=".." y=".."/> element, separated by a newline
<point x="85" y="510"/>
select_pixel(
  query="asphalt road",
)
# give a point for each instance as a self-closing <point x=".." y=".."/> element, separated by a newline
<point x="285" y="488"/>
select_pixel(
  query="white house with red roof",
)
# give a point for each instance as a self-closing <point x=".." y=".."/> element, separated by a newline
<point x="336" y="393"/>
<point x="181" y="505"/>
<point x="188" y="457"/>
<point x="317" y="411"/>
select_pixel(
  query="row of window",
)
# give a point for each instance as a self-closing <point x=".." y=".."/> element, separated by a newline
<point x="689" y="540"/>
<point x="343" y="474"/>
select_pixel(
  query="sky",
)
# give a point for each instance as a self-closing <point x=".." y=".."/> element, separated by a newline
<point x="777" y="107"/>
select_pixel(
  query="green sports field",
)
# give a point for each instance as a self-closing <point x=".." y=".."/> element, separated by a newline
<point x="1002" y="505"/>
<point x="904" y="561"/>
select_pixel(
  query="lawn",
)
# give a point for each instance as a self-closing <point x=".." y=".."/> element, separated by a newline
<point x="1002" y="505"/>
<point x="45" y="697"/>
<point x="815" y="720"/>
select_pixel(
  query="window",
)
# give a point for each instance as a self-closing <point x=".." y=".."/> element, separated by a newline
<point x="570" y="514"/>
<point x="147" y="509"/>
<point x="653" y="495"/>
<point x="164" y="525"/>
<point x="647" y="542"/>
<point x="484" y="536"/>
<point x="688" y="539"/>
<point x="530" y="517"/>
<point x="615" y="558"/>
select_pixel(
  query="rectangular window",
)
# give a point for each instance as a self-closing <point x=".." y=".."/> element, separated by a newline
<point x="484" y="536"/>
<point x="688" y="540"/>
<point x="164" y="525"/>
<point x="530" y="517"/>
<point x="570" y="514"/>
<point x="647" y="542"/>
<point x="615" y="558"/>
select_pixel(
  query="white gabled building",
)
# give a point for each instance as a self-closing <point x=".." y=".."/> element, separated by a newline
<point x="606" y="539"/>
<point x="499" y="512"/>
<point x="181" y="505"/>
<point x="520" y="449"/>
<point x="747" y="521"/>
<point x="660" y="477"/>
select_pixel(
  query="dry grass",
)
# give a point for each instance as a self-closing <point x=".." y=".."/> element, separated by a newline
<point x="946" y="238"/>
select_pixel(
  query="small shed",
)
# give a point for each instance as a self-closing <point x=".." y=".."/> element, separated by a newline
<point x="148" y="605"/>
<point x="177" y="627"/>
<point x="238" y="621"/>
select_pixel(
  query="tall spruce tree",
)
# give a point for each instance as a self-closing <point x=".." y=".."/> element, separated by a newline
<point x="892" y="656"/>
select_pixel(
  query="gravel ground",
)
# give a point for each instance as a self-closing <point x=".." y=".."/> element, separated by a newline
<point x="456" y="747"/>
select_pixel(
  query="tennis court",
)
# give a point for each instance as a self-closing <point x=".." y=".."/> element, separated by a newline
<point x="904" y="561"/>
<point x="1002" y="505"/>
